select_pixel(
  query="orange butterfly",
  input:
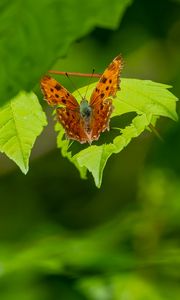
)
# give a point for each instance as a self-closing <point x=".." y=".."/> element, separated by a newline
<point x="85" y="121"/>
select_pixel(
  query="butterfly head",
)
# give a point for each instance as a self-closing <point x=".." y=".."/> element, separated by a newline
<point x="85" y="109"/>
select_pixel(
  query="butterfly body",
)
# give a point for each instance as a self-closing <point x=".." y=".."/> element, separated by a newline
<point x="85" y="109"/>
<point x="84" y="122"/>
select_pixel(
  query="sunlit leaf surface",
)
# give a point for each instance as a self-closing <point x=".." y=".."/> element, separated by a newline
<point x="147" y="99"/>
<point x="21" y="121"/>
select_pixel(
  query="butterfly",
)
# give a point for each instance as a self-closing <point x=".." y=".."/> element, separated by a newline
<point x="84" y="122"/>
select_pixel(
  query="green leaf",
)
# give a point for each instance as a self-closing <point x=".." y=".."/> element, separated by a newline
<point x="148" y="99"/>
<point x="94" y="159"/>
<point x="21" y="121"/>
<point x="145" y="96"/>
<point x="35" y="33"/>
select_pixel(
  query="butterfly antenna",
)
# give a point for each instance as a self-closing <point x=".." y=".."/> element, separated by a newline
<point x="89" y="83"/>
<point x="74" y="86"/>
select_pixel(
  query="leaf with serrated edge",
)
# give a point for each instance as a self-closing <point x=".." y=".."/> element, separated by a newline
<point x="21" y="121"/>
<point x="148" y="99"/>
<point x="144" y="97"/>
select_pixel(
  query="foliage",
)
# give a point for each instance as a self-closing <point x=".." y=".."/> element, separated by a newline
<point x="21" y="121"/>
<point x="27" y="57"/>
<point x="43" y="33"/>
<point x="61" y="237"/>
<point x="146" y="98"/>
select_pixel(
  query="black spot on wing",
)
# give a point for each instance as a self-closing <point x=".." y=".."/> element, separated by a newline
<point x="102" y="95"/>
<point x="103" y="79"/>
<point x="58" y="87"/>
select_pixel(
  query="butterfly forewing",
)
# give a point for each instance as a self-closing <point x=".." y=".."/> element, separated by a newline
<point x="100" y="102"/>
<point x="56" y="94"/>
<point x="108" y="84"/>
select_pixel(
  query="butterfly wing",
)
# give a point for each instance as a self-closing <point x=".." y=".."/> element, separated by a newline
<point x="73" y="124"/>
<point x="108" y="84"/>
<point x="100" y="102"/>
<point x="56" y="94"/>
<point x="69" y="116"/>
<point x="100" y="118"/>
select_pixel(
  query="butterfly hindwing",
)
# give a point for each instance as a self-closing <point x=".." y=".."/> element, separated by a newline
<point x="100" y="118"/>
<point x="73" y="124"/>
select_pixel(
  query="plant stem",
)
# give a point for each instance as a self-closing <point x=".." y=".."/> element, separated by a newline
<point x="75" y="74"/>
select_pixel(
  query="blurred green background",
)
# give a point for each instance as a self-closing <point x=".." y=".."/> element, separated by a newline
<point x="60" y="236"/>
